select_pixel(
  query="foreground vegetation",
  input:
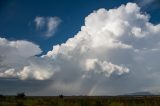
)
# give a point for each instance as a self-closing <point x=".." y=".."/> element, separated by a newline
<point x="22" y="100"/>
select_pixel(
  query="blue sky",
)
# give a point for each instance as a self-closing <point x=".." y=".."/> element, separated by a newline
<point x="79" y="47"/>
<point x="17" y="17"/>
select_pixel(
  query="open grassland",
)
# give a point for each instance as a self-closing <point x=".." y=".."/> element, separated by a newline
<point x="81" y="101"/>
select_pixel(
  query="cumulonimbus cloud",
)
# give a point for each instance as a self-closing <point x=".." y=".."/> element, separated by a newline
<point x="115" y="52"/>
<point x="116" y="42"/>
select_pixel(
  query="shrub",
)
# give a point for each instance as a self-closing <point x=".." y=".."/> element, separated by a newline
<point x="61" y="96"/>
<point x="20" y="95"/>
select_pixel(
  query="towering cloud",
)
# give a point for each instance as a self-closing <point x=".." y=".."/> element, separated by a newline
<point x="115" y="52"/>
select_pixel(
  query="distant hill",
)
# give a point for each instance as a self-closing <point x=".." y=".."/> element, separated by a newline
<point x="139" y="94"/>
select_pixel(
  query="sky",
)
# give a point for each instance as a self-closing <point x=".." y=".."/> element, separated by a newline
<point x="79" y="47"/>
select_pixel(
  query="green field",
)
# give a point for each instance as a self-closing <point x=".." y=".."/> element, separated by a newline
<point x="81" y="101"/>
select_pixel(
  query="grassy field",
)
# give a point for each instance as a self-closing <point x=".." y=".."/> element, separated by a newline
<point x="81" y="101"/>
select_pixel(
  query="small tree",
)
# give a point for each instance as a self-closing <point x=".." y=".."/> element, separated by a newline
<point x="61" y="96"/>
<point x="20" y="95"/>
<point x="1" y="96"/>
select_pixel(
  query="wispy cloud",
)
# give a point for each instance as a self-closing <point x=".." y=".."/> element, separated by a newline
<point x="40" y="22"/>
<point x="48" y="25"/>
<point x="144" y="3"/>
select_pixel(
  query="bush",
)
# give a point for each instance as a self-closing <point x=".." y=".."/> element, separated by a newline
<point x="61" y="96"/>
<point x="1" y="96"/>
<point x="20" y="95"/>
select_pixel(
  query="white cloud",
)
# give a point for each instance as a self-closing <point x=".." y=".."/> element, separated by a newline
<point x="115" y="52"/>
<point x="112" y="43"/>
<point x="8" y="73"/>
<point x="18" y="60"/>
<point x="145" y="2"/>
<point x="53" y="23"/>
<point x="40" y="22"/>
<point x="35" y="72"/>
<point x="18" y="48"/>
<point x="104" y="67"/>
<point x="48" y="25"/>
